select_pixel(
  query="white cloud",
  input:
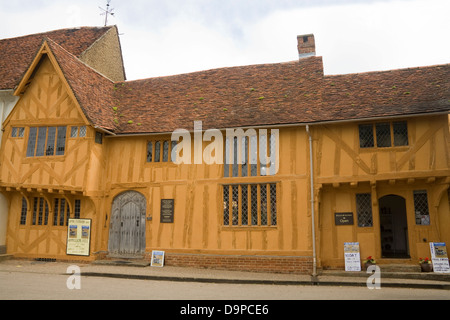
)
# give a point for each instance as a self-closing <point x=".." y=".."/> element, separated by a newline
<point x="359" y="37"/>
<point x="162" y="38"/>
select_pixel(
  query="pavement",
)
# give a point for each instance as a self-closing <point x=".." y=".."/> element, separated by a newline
<point x="142" y="271"/>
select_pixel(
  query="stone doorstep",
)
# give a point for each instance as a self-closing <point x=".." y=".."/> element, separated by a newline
<point x="393" y="271"/>
<point x="399" y="268"/>
<point x="4" y="257"/>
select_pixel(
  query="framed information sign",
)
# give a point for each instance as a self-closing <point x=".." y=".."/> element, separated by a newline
<point x="167" y="210"/>
<point x="79" y="237"/>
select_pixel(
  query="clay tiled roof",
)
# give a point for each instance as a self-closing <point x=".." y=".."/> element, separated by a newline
<point x="272" y="94"/>
<point x="228" y="97"/>
<point x="16" y="54"/>
<point x="93" y="91"/>
<point x="386" y="93"/>
<point x="257" y="95"/>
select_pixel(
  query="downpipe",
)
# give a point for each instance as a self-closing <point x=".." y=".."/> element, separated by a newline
<point x="314" y="273"/>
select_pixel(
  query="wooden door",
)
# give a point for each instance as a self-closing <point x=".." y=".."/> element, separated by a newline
<point x="127" y="226"/>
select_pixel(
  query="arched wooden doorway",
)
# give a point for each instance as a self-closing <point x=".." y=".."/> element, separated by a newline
<point x="393" y="227"/>
<point x="127" y="225"/>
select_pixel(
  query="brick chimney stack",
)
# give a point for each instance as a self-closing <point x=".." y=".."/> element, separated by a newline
<point x="306" y="46"/>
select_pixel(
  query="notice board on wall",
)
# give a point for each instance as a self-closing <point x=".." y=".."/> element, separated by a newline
<point x="167" y="210"/>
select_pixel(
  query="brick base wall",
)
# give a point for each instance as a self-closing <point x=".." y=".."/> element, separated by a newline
<point x="273" y="264"/>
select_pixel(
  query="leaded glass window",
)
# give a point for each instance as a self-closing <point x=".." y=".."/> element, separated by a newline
<point x="364" y="209"/>
<point x="387" y="134"/>
<point x="383" y="131"/>
<point x="250" y="204"/>
<point x="421" y="207"/>
<point x="42" y="141"/>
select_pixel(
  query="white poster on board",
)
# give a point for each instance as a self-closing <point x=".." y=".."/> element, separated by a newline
<point x="352" y="256"/>
<point x="439" y="257"/>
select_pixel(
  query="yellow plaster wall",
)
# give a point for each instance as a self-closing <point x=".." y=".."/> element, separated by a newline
<point x="343" y="169"/>
<point x="198" y="193"/>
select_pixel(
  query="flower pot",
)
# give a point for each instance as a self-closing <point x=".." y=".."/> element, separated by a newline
<point x="368" y="264"/>
<point x="426" y="267"/>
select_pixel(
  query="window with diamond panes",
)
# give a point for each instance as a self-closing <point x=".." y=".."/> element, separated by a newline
<point x="273" y="204"/>
<point x="383" y="135"/>
<point x="78" y="132"/>
<point x="400" y="130"/>
<point x="263" y="203"/>
<point x="235" y="205"/>
<point x="250" y="204"/>
<point x="18" y="132"/>
<point x="364" y="209"/>
<point x="421" y="207"/>
<point x="74" y="132"/>
<point x="366" y="136"/>
<point x="244" y="205"/>
<point x="383" y="131"/>
<point x="226" y="205"/>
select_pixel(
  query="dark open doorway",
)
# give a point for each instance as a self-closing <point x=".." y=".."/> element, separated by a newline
<point x="393" y="227"/>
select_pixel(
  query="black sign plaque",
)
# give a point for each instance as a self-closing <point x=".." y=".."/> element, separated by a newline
<point x="343" y="218"/>
<point x="167" y="210"/>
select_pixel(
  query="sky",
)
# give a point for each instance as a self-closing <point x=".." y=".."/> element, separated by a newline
<point x="166" y="37"/>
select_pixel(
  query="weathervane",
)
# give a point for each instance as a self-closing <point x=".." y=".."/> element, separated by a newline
<point x="107" y="12"/>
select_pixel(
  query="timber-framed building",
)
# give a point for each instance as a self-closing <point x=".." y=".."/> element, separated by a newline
<point x="359" y="158"/>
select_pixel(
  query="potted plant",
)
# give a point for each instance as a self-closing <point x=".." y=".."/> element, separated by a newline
<point x="369" y="262"/>
<point x="426" y="265"/>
